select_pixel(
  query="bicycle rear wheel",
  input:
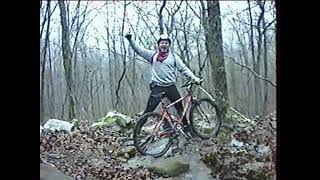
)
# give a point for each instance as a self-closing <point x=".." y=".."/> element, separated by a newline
<point x="205" y="118"/>
<point x="146" y="141"/>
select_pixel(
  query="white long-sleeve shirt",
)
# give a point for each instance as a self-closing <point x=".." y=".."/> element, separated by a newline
<point x="163" y="73"/>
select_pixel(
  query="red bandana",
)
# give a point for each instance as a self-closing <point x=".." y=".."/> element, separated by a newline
<point x="162" y="56"/>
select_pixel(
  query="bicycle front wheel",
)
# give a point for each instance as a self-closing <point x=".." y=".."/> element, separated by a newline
<point x="205" y="118"/>
<point x="146" y="140"/>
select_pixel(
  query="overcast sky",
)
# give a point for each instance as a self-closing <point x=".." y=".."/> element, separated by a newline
<point x="96" y="28"/>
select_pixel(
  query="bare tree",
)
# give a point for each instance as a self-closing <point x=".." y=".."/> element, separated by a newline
<point x="109" y="61"/>
<point x="161" y="17"/>
<point x="47" y="16"/>
<point x="124" y="57"/>
<point x="43" y="67"/>
<point x="241" y="41"/>
<point x="172" y="16"/>
<point x="110" y="78"/>
<point x="51" y="96"/>
<point x="142" y="16"/>
<point x="67" y="54"/>
<point x="183" y="46"/>
<point x="213" y="34"/>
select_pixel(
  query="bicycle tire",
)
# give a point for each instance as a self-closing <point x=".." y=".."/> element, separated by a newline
<point x="137" y="130"/>
<point x="216" y="129"/>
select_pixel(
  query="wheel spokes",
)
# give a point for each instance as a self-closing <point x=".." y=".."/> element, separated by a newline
<point x="149" y="139"/>
<point x="205" y="115"/>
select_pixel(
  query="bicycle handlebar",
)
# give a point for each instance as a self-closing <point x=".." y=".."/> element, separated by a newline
<point x="191" y="83"/>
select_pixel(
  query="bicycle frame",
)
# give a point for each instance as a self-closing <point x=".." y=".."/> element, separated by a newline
<point x="166" y="114"/>
<point x="175" y="122"/>
<point x="170" y="118"/>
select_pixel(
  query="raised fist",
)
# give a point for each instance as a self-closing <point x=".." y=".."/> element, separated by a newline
<point x="128" y="36"/>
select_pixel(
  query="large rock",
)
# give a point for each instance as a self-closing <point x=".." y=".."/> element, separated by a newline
<point x="139" y="161"/>
<point x="48" y="172"/>
<point x="58" y="125"/>
<point x="127" y="152"/>
<point x="114" y="119"/>
<point x="168" y="167"/>
<point x="262" y="150"/>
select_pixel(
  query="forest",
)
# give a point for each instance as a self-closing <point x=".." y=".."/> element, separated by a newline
<point x="87" y="67"/>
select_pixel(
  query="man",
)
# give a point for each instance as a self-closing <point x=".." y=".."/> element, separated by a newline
<point x="163" y="73"/>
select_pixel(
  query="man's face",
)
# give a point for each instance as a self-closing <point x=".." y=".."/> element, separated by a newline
<point x="164" y="46"/>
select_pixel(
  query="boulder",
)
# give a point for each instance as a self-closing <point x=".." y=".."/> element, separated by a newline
<point x="262" y="150"/>
<point x="48" y="172"/>
<point x="113" y="119"/>
<point x="58" y="125"/>
<point x="128" y="152"/>
<point x="169" y="167"/>
<point x="139" y="161"/>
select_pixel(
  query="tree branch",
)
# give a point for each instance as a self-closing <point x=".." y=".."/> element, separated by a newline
<point x="253" y="72"/>
<point x="193" y="10"/>
<point x="161" y="17"/>
<point x="203" y="64"/>
<point x="172" y="17"/>
<point x="114" y="52"/>
<point x="47" y="17"/>
<point x="139" y="13"/>
<point x="268" y="25"/>
<point x="124" y="59"/>
<point x="253" y="24"/>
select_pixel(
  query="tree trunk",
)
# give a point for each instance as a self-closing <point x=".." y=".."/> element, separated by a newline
<point x="109" y="62"/>
<point x="43" y="66"/>
<point x="134" y="78"/>
<point x="67" y="59"/>
<point x="257" y="66"/>
<point x="98" y="109"/>
<point x="115" y="66"/>
<point x="233" y="82"/>
<point x="266" y="94"/>
<point x="104" y="95"/>
<point x="52" y="97"/>
<point x="265" y="59"/>
<point x="199" y="58"/>
<point x="91" y="96"/>
<point x="256" y="81"/>
<point x="161" y="17"/>
<point x="245" y="82"/>
<point x="216" y="56"/>
<point x="45" y="18"/>
<point x="185" y="47"/>
<point x="124" y="59"/>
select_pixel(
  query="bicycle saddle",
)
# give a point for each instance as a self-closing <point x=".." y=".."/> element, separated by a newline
<point x="160" y="95"/>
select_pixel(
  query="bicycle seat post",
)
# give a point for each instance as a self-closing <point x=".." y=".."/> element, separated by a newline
<point x="162" y="103"/>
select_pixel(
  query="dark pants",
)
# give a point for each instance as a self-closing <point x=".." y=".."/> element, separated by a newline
<point x="171" y="93"/>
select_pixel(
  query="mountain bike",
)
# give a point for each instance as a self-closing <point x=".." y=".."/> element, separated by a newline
<point x="154" y="132"/>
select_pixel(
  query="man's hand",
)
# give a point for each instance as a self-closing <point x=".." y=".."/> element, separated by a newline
<point x="128" y="36"/>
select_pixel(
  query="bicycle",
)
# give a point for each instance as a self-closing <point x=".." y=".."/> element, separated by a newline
<point x="155" y="121"/>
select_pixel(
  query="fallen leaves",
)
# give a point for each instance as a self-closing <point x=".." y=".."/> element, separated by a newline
<point x="88" y="153"/>
<point x="242" y="152"/>
<point x="248" y="154"/>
